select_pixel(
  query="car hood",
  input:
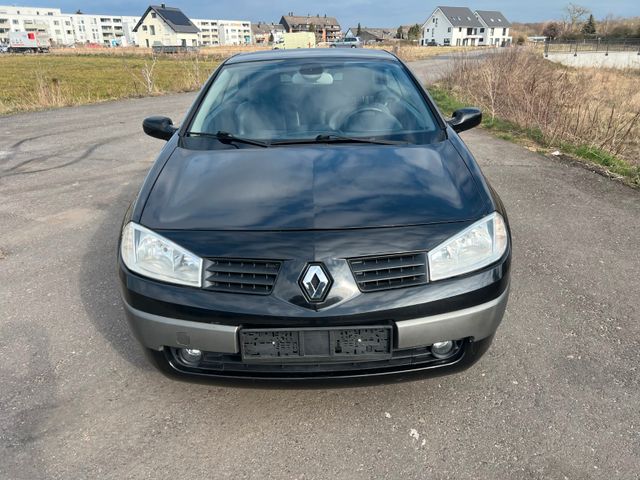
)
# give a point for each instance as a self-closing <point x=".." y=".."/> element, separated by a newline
<point x="312" y="187"/>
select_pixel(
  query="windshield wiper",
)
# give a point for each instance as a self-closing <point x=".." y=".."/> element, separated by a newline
<point x="334" y="138"/>
<point x="227" y="137"/>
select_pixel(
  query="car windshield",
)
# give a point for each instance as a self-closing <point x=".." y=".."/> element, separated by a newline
<point x="299" y="99"/>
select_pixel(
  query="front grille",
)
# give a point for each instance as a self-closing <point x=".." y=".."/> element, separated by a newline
<point x="241" y="275"/>
<point x="389" y="271"/>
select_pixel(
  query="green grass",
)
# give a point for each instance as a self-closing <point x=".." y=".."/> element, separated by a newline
<point x="445" y="101"/>
<point x="512" y="132"/>
<point x="32" y="82"/>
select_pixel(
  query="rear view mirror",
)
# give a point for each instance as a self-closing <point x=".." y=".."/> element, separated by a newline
<point x="159" y="127"/>
<point x="465" y="118"/>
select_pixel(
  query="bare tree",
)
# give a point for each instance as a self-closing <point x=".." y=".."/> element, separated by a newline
<point x="574" y="16"/>
<point x="551" y="30"/>
<point x="148" y="74"/>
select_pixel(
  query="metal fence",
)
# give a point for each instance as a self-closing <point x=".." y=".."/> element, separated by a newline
<point x="590" y="46"/>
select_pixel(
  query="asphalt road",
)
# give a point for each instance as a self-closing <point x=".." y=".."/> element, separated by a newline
<point x="557" y="396"/>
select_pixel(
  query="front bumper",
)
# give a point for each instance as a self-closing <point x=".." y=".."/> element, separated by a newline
<point x="478" y="322"/>
<point x="472" y="328"/>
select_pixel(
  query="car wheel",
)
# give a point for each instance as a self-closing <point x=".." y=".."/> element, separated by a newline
<point x="353" y="46"/>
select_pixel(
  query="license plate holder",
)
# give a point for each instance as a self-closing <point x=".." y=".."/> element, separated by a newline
<point x="316" y="344"/>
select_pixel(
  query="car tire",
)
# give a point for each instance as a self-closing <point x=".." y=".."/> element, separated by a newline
<point x="353" y="46"/>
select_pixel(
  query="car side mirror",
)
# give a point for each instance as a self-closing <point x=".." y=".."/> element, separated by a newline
<point x="465" y="118"/>
<point x="159" y="127"/>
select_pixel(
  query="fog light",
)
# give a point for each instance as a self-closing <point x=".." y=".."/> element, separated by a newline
<point x="190" y="355"/>
<point x="442" y="349"/>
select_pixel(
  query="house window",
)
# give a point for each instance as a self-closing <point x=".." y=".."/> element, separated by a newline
<point x="153" y="14"/>
<point x="152" y="30"/>
<point x="460" y="29"/>
<point x="449" y="30"/>
<point x="427" y="29"/>
<point x="144" y="27"/>
<point x="482" y="30"/>
<point x="434" y="20"/>
<point x="491" y="33"/>
<point x="504" y="32"/>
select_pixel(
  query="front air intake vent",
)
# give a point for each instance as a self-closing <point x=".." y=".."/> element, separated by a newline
<point x="255" y="277"/>
<point x="389" y="271"/>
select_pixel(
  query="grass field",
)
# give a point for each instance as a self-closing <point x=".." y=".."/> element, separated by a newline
<point x="34" y="82"/>
<point x="69" y="77"/>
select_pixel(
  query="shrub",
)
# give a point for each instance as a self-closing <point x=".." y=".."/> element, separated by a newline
<point x="595" y="108"/>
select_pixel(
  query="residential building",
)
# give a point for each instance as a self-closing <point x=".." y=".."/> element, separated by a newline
<point x="166" y="26"/>
<point x="106" y="30"/>
<point x="209" y="34"/>
<point x="67" y="29"/>
<point x="263" y="33"/>
<point x="496" y="27"/>
<point x="453" y="26"/>
<point x="51" y="21"/>
<point x="327" y="29"/>
<point x="170" y="26"/>
<point x="235" y="32"/>
<point x="372" y="35"/>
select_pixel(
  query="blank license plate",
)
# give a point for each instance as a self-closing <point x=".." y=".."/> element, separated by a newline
<point x="331" y="344"/>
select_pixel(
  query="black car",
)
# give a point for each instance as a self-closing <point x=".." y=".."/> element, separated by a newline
<point x="314" y="217"/>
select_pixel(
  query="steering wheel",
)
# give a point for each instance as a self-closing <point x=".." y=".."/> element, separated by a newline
<point x="366" y="115"/>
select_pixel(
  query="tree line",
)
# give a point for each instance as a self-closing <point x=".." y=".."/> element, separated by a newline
<point x="579" y="23"/>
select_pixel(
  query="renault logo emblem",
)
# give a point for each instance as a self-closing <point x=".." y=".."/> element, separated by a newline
<point x="315" y="282"/>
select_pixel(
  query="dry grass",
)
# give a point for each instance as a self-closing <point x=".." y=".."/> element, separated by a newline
<point x="590" y="108"/>
<point x="35" y="82"/>
<point x="76" y="76"/>
<point x="410" y="53"/>
<point x="216" y="52"/>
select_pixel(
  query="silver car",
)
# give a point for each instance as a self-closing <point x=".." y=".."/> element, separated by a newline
<point x="348" y="42"/>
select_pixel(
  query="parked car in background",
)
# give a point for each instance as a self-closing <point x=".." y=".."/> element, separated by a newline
<point x="4" y="48"/>
<point x="347" y="42"/>
<point x="314" y="217"/>
<point x="431" y="43"/>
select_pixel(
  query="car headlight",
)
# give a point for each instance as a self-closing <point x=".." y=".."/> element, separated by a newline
<point x="475" y="247"/>
<point x="147" y="253"/>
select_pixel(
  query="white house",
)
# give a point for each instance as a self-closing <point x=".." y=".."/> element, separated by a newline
<point x="453" y="26"/>
<point x="166" y="26"/>
<point x="496" y="27"/>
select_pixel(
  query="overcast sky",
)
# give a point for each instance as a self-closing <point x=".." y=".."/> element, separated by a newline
<point x="372" y="13"/>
